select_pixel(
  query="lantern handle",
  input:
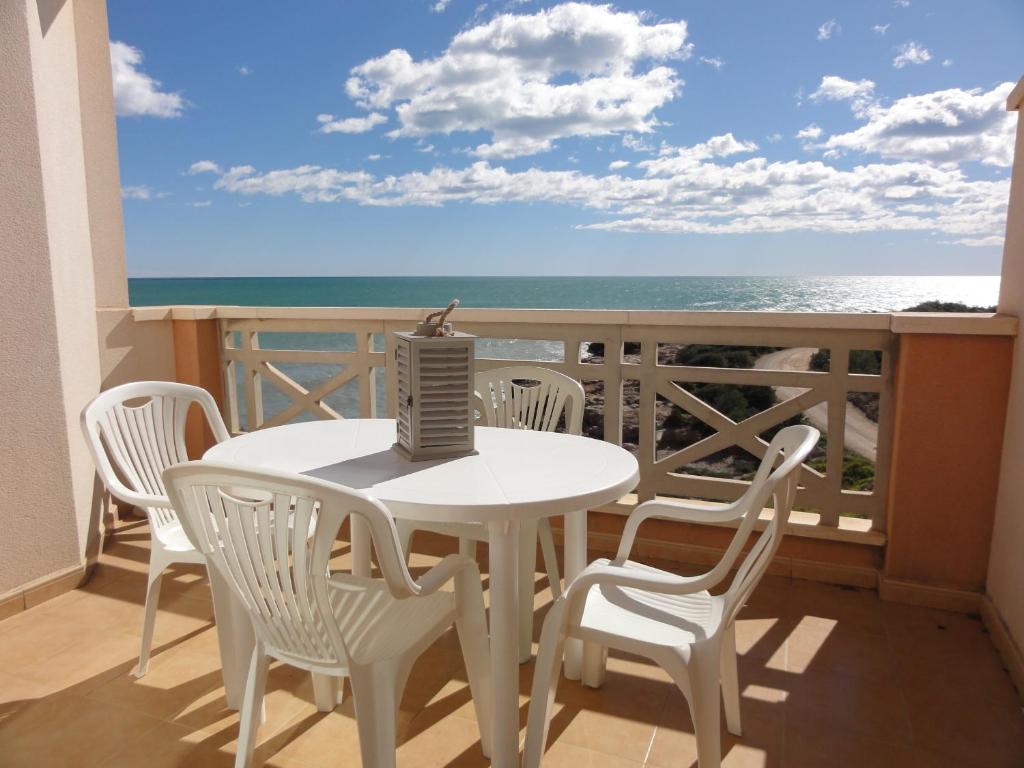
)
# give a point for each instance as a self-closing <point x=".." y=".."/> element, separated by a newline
<point x="438" y="318"/>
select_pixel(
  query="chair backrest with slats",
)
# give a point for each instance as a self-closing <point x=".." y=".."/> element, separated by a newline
<point x="788" y="449"/>
<point x="270" y="536"/>
<point x="136" y="431"/>
<point x="528" y="397"/>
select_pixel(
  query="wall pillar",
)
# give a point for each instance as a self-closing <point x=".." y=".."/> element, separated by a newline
<point x="1006" y="567"/>
<point x="197" y="362"/>
<point x="949" y="404"/>
<point x="59" y="246"/>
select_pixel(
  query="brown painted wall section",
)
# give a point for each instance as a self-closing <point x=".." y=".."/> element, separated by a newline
<point x="197" y="362"/>
<point x="949" y="400"/>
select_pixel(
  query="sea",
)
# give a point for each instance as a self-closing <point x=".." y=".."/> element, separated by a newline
<point x="793" y="294"/>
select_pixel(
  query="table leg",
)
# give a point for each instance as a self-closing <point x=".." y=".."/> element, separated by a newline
<point x="360" y="544"/>
<point x="575" y="561"/>
<point x="235" y="638"/>
<point x="527" y="573"/>
<point x="503" y="541"/>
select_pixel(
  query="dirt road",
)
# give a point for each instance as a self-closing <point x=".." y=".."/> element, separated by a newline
<point x="861" y="432"/>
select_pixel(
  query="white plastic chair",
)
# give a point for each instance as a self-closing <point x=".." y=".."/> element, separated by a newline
<point x="333" y="625"/>
<point x="538" y="403"/>
<point x="670" y="619"/>
<point x="134" y="432"/>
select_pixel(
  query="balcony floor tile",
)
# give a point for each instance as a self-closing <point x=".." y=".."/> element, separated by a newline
<point x="828" y="677"/>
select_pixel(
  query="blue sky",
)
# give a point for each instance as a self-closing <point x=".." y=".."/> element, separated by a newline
<point x="459" y="137"/>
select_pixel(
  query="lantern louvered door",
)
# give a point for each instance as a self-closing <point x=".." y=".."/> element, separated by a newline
<point x="435" y="395"/>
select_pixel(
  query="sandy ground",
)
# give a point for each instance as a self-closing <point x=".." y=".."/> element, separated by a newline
<point x="861" y="432"/>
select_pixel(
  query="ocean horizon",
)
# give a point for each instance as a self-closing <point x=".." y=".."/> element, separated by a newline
<point x="698" y="293"/>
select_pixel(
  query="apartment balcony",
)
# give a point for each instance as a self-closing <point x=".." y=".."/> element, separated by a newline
<point x="871" y="642"/>
<point x="887" y="633"/>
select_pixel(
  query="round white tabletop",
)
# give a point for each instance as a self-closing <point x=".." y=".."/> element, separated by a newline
<point x="515" y="474"/>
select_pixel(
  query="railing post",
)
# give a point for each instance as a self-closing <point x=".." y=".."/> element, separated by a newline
<point x="197" y="361"/>
<point x="949" y="404"/>
<point x="839" y="368"/>
<point x="647" y="452"/>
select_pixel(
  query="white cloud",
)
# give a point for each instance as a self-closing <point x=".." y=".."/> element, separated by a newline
<point x="860" y="93"/>
<point x="980" y="242"/>
<point x="951" y="126"/>
<point x="330" y="124"/>
<point x="919" y="186"/>
<point x="512" y="147"/>
<point x="637" y="143"/>
<point x="911" y="53"/>
<point x="243" y="70"/>
<point x="203" y="166"/>
<point x="440" y="6"/>
<point x="947" y="62"/>
<point x="773" y="138"/>
<point x="812" y="132"/>
<point x="201" y="204"/>
<point x="140" y="192"/>
<point x="374" y="157"/>
<point x="135" y="92"/>
<point x="713" y="61"/>
<point x="880" y="29"/>
<point x="685" y="189"/>
<point x="529" y="80"/>
<point x="901" y="3"/>
<point x="677" y="160"/>
<point x="136" y="192"/>
<point x="829" y="29"/>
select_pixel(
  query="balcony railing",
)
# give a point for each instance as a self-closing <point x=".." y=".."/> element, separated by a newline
<point x="697" y="420"/>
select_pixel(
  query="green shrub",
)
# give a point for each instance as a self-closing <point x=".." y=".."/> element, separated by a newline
<point x="946" y="306"/>
<point x="675" y="419"/>
<point x="858" y="472"/>
<point x="867" y="361"/>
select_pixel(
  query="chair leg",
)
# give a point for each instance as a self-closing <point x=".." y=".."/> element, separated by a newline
<point x="373" y="692"/>
<point x="545" y="685"/>
<point x="156" y="573"/>
<point x="471" y="624"/>
<point x="705" y="704"/>
<point x="595" y="663"/>
<point x="730" y="682"/>
<point x="527" y="585"/>
<point x="467" y="547"/>
<point x="252" y="707"/>
<point x="327" y="691"/>
<point x="547" y="548"/>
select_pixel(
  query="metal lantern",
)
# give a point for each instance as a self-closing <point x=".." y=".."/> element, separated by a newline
<point x="435" y="394"/>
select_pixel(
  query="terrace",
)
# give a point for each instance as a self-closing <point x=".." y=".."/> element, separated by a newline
<point x="887" y="633"/>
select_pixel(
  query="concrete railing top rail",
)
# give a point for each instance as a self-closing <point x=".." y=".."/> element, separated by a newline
<point x="985" y="324"/>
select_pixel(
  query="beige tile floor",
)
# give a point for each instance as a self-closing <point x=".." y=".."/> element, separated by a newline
<point x="829" y="677"/>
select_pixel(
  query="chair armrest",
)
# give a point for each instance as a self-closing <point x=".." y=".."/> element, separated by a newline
<point x="120" y="491"/>
<point x="605" y="573"/>
<point x="672" y="510"/>
<point x="443" y="572"/>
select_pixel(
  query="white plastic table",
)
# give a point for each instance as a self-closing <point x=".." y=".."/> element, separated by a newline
<point x="516" y="475"/>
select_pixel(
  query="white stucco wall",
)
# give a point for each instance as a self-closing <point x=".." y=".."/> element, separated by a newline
<point x="1006" y="564"/>
<point x="99" y="138"/>
<point x="50" y="218"/>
